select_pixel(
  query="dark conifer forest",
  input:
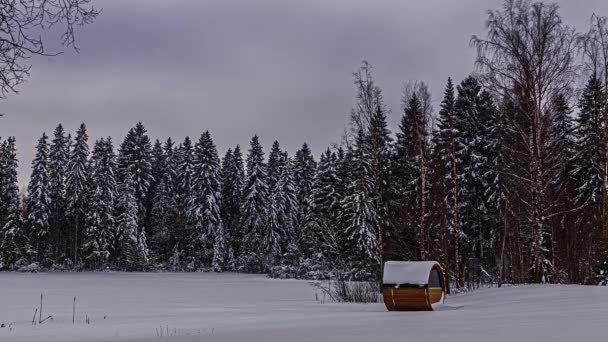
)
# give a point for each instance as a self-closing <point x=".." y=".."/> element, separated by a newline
<point x="506" y="181"/>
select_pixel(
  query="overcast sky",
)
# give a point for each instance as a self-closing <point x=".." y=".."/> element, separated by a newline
<point x="278" y="68"/>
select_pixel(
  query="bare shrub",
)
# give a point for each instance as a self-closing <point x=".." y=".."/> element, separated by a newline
<point x="345" y="291"/>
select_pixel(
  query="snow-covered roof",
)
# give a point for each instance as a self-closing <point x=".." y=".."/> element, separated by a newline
<point x="408" y="272"/>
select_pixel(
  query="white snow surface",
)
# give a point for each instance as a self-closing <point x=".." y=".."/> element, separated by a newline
<point x="407" y="272"/>
<point x="231" y="307"/>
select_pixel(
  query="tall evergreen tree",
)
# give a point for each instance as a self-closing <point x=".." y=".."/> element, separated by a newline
<point x="233" y="174"/>
<point x="411" y="170"/>
<point x="13" y="242"/>
<point x="77" y="181"/>
<point x="326" y="206"/>
<point x="379" y="140"/>
<point x="102" y="194"/>
<point x="304" y="173"/>
<point x="165" y="207"/>
<point x="281" y="214"/>
<point x="359" y="210"/>
<point x="58" y="164"/>
<point x="589" y="176"/>
<point x="39" y="203"/>
<point x="560" y="151"/>
<point x="275" y="161"/>
<point x="445" y="178"/>
<point x="206" y="202"/>
<point x="135" y="161"/>
<point x="134" y="247"/>
<point x="183" y="250"/>
<point x="254" y="208"/>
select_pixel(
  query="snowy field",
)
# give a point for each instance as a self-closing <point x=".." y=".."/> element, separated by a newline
<point x="232" y="307"/>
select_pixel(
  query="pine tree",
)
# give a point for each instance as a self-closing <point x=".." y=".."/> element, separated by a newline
<point x="77" y="180"/>
<point x="206" y="202"/>
<point x="13" y="242"/>
<point x="38" y="210"/>
<point x="99" y="222"/>
<point x="254" y="209"/>
<point x="58" y="164"/>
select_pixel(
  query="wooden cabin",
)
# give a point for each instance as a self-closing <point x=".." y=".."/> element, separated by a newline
<point x="413" y="285"/>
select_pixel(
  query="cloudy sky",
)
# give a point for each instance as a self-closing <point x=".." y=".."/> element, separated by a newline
<point x="278" y="68"/>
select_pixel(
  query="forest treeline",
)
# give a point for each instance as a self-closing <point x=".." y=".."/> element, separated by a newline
<point x="506" y="182"/>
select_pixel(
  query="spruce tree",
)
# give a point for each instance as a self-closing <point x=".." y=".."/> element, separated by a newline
<point x="233" y="175"/>
<point x="254" y="209"/>
<point x="281" y="214"/>
<point x="165" y="208"/>
<point x="58" y="164"/>
<point x="326" y="207"/>
<point x="135" y="161"/>
<point x="359" y="211"/>
<point x="304" y="173"/>
<point x="13" y="241"/>
<point x="183" y="250"/>
<point x="274" y="164"/>
<point x="206" y="202"/>
<point x="133" y="240"/>
<point x="560" y="149"/>
<point x="77" y="181"/>
<point x="379" y="140"/>
<point x="589" y="175"/>
<point x="158" y="166"/>
<point x="100" y="222"/>
<point x="410" y="172"/>
<point x="39" y="203"/>
<point x="445" y="174"/>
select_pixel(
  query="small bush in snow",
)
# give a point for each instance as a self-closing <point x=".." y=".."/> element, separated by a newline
<point x="345" y="291"/>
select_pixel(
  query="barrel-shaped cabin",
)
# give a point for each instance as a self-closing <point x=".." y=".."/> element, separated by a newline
<point x="413" y="285"/>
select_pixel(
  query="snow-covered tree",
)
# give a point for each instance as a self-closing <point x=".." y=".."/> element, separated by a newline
<point x="410" y="173"/>
<point x="206" y="202"/>
<point x="59" y="156"/>
<point x="102" y="195"/>
<point x="326" y="206"/>
<point x="282" y="213"/>
<point x="13" y="241"/>
<point x="184" y="249"/>
<point x="39" y="202"/>
<point x="304" y="173"/>
<point x="233" y="178"/>
<point x="135" y="161"/>
<point x="77" y="181"/>
<point x="359" y="211"/>
<point x="589" y="173"/>
<point x="134" y="249"/>
<point x="165" y="208"/>
<point x="254" y="208"/>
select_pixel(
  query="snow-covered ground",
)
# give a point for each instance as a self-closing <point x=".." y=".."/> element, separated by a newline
<point x="233" y="307"/>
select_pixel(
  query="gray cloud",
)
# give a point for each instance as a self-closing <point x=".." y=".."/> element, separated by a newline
<point x="281" y="69"/>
